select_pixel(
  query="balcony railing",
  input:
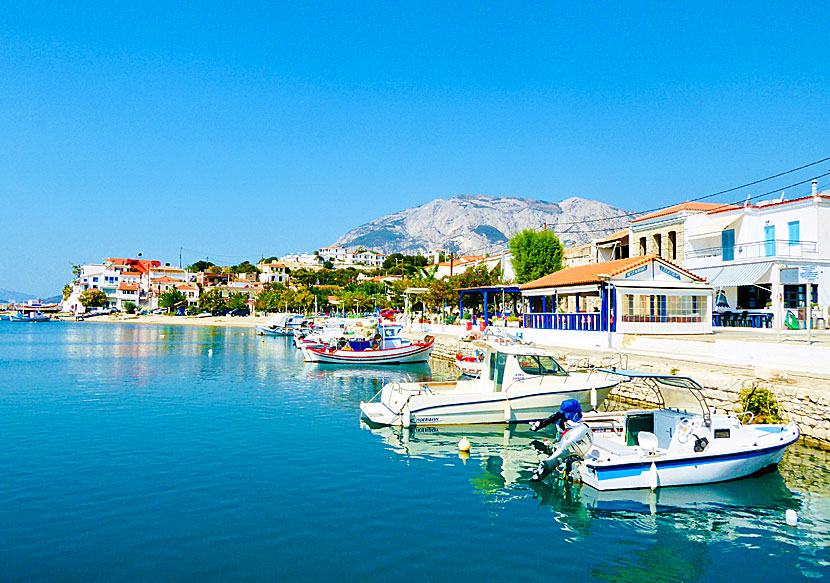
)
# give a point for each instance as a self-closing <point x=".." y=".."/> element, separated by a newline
<point x="758" y="249"/>
<point x="591" y="321"/>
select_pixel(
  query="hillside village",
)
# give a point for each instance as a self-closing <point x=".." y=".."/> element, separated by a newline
<point x="756" y="265"/>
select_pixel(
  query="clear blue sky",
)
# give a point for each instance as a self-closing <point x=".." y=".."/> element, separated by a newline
<point x="143" y="127"/>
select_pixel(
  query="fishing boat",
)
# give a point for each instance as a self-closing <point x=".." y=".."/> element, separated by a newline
<point x="280" y="325"/>
<point x="472" y="364"/>
<point x="29" y="317"/>
<point x="384" y="347"/>
<point x="518" y="384"/>
<point x="682" y="442"/>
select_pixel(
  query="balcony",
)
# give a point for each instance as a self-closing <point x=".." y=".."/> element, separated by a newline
<point x="757" y="250"/>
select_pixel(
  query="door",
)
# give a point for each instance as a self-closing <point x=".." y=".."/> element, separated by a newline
<point x="728" y="244"/>
<point x="769" y="240"/>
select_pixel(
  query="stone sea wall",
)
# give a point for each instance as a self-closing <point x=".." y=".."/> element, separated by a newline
<point x="798" y="400"/>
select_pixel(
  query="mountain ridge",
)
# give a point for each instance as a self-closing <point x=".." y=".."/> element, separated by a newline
<point x="477" y="223"/>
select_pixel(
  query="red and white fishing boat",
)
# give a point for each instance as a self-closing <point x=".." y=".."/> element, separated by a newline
<point x="385" y="347"/>
<point x="470" y="366"/>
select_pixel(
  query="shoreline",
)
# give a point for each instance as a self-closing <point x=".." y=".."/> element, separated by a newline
<point x="221" y="321"/>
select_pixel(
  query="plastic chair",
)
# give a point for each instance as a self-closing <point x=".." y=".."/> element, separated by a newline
<point x="744" y="321"/>
<point x="726" y="319"/>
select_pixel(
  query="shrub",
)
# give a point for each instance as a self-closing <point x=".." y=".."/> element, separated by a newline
<point x="130" y="307"/>
<point x="762" y="403"/>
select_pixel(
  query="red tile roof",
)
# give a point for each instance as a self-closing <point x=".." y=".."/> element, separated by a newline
<point x="684" y="206"/>
<point x="590" y="273"/>
<point x="187" y="287"/>
<point x="127" y="287"/>
<point x="166" y="279"/>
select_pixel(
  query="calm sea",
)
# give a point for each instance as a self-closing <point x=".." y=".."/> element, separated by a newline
<point x="142" y="453"/>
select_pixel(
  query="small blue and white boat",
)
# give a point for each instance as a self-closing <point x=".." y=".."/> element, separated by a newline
<point x="280" y="325"/>
<point x="680" y="443"/>
<point x="29" y="317"/>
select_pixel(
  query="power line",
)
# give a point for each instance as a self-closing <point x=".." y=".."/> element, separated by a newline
<point x="699" y="198"/>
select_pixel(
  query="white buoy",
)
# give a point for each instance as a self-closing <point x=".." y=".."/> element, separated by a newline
<point x="791" y="517"/>
<point x="464" y="444"/>
<point x="652" y="477"/>
<point x="210" y="351"/>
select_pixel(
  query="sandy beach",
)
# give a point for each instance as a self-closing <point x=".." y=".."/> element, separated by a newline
<point x="224" y="321"/>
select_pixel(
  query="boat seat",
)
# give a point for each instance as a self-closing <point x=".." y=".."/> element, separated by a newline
<point x="647" y="442"/>
<point x="613" y="447"/>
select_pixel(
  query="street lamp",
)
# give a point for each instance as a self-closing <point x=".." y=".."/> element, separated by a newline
<point x="606" y="279"/>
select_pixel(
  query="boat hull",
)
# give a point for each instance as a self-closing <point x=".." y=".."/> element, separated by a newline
<point x="703" y="468"/>
<point x="517" y="405"/>
<point x="404" y="355"/>
<point x="263" y="331"/>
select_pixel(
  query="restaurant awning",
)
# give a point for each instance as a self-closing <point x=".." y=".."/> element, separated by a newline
<point x="733" y="275"/>
<point x="715" y="226"/>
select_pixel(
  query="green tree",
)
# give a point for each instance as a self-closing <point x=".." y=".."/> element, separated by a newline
<point x="535" y="254"/>
<point x="67" y="291"/>
<point x="93" y="298"/>
<point x="211" y="301"/>
<point x="200" y="266"/>
<point x="130" y="307"/>
<point x="237" y="301"/>
<point x="328" y="264"/>
<point x="245" y="267"/>
<point x="172" y="299"/>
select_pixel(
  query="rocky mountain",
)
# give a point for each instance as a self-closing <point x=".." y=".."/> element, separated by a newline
<point x="477" y="224"/>
<point x="14" y="296"/>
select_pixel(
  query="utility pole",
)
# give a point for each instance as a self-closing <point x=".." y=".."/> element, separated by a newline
<point x="180" y="257"/>
<point x="452" y="260"/>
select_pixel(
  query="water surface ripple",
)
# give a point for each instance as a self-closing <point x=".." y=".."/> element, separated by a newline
<point x="168" y="453"/>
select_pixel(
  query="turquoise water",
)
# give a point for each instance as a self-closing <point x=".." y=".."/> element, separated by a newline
<point x="132" y="453"/>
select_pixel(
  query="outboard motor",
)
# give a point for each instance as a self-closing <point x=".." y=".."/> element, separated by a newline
<point x="569" y="410"/>
<point x="575" y="442"/>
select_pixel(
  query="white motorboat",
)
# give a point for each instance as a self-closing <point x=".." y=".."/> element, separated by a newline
<point x="680" y="443"/>
<point x="381" y="345"/>
<point x="280" y="325"/>
<point x="518" y="384"/>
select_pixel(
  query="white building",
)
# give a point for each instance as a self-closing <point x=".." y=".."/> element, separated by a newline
<point x="122" y="280"/>
<point x="273" y="272"/>
<point x="334" y="253"/>
<point x="768" y="260"/>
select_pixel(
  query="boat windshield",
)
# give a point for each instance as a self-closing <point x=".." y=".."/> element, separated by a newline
<point x="540" y="365"/>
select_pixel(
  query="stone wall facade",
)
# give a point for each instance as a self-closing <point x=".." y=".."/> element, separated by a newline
<point x="665" y="251"/>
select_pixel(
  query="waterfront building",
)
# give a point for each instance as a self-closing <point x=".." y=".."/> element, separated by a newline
<point x="577" y="255"/>
<point x="122" y="280"/>
<point x="273" y="272"/>
<point x="636" y="295"/>
<point x="662" y="233"/>
<point x="770" y="261"/>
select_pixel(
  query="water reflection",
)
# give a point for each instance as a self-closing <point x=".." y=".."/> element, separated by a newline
<point x="673" y="525"/>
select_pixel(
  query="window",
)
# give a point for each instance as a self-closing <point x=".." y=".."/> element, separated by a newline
<point x="540" y="365"/>
<point x="662" y="308"/>
<point x="769" y="240"/>
<point x="728" y="244"/>
<point x="658" y="244"/>
<point x="795" y="232"/>
<point x="642" y="246"/>
<point x="672" y="245"/>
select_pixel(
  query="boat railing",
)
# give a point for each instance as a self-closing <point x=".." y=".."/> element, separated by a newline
<point x="744" y="414"/>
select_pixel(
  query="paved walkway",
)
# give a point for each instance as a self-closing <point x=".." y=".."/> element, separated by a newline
<point x="817" y="337"/>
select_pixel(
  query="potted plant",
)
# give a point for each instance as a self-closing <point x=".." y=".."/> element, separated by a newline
<point x="512" y="321"/>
